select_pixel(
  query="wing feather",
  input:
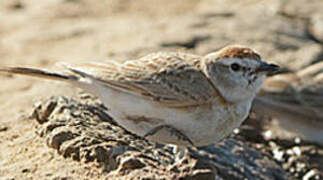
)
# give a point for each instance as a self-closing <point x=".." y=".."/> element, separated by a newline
<point x="172" y="79"/>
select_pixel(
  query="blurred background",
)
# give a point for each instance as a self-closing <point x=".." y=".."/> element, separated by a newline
<point x="41" y="33"/>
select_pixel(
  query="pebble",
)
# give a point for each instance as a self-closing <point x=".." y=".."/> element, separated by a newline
<point x="316" y="27"/>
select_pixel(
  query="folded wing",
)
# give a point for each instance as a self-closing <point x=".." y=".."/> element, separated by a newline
<point x="172" y="79"/>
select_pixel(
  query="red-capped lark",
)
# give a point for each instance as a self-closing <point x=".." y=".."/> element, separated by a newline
<point x="173" y="97"/>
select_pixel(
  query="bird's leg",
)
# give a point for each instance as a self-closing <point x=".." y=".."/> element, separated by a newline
<point x="172" y="130"/>
<point x="180" y="152"/>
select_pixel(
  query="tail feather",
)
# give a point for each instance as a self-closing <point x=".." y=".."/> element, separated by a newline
<point x="38" y="73"/>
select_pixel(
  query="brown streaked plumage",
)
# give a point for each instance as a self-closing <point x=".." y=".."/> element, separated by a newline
<point x="173" y="97"/>
<point x="238" y="52"/>
<point x="164" y="77"/>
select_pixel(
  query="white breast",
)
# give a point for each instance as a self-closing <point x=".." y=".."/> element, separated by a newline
<point x="201" y="125"/>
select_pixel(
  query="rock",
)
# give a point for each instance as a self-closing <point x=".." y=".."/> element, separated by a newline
<point x="201" y="175"/>
<point x="316" y="27"/>
<point x="3" y="128"/>
<point x="82" y="130"/>
<point x="131" y="163"/>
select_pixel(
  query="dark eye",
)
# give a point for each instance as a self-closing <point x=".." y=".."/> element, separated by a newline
<point x="235" y="67"/>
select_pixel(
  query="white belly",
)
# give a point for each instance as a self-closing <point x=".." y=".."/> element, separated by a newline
<point x="201" y="125"/>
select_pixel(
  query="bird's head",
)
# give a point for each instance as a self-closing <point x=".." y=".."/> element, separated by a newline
<point x="237" y="72"/>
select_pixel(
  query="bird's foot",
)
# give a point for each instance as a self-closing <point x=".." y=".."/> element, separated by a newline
<point x="173" y="131"/>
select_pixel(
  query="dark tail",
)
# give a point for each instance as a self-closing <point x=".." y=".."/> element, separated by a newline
<point x="38" y="73"/>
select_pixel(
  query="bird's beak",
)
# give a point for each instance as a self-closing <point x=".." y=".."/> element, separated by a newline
<point x="267" y="68"/>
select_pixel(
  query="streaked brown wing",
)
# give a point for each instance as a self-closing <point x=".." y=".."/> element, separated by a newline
<point x="172" y="79"/>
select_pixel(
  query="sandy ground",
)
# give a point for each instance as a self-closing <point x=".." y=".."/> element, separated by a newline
<point x="41" y="33"/>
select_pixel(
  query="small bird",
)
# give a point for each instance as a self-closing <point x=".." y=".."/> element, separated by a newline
<point x="173" y="97"/>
